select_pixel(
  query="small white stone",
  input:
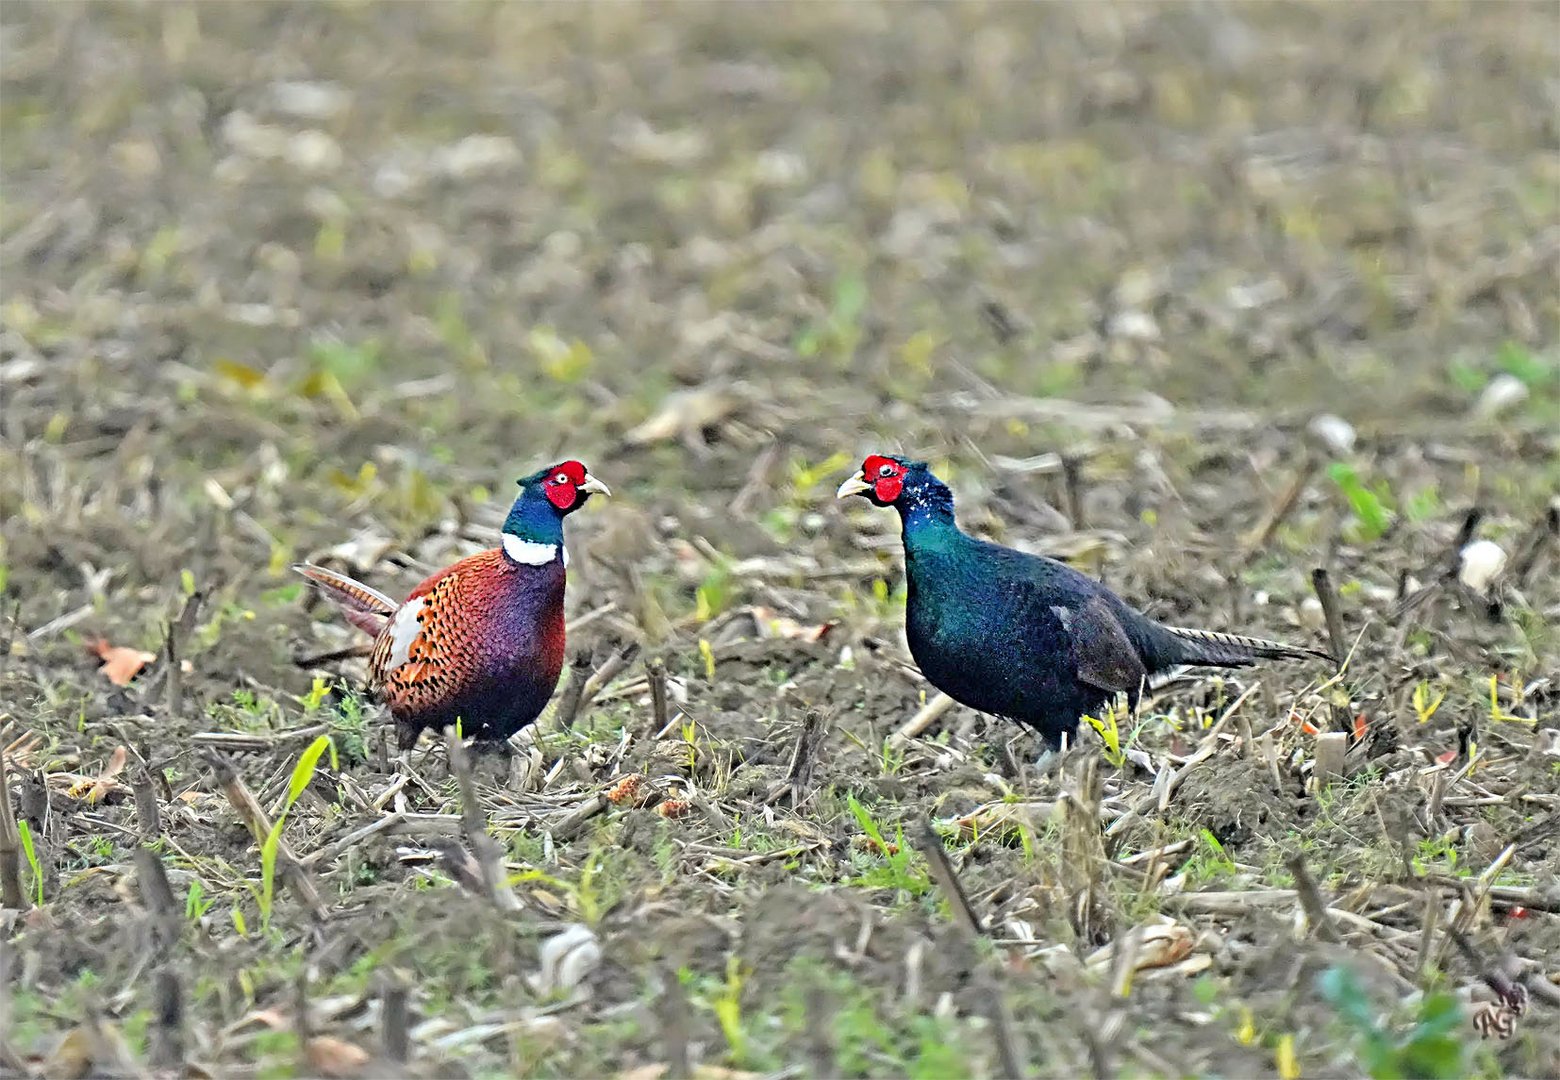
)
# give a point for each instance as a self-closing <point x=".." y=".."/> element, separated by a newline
<point x="476" y="155"/>
<point x="309" y="100"/>
<point x="1256" y="294"/>
<point x="1134" y="325"/>
<point x="252" y="139"/>
<point x="1504" y="392"/>
<point x="780" y="168"/>
<point x="314" y="151"/>
<point x="1311" y="615"/>
<point x="1482" y="562"/>
<point x="1333" y="432"/>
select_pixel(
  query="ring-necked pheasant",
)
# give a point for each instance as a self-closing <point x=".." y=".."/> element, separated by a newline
<point x="482" y="640"/>
<point x="1022" y="636"/>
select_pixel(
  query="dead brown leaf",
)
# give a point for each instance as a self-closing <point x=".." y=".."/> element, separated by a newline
<point x="105" y="781"/>
<point x="1159" y="945"/>
<point x="120" y="663"/>
<point x="336" y="1057"/>
<point x="771" y="624"/>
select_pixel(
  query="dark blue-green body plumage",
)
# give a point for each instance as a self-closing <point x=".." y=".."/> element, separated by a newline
<point x="1026" y="637"/>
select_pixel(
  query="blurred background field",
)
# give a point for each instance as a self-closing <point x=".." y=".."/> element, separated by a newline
<point x="320" y="280"/>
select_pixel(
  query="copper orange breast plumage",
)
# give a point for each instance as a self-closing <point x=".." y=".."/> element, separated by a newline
<point x="481" y="642"/>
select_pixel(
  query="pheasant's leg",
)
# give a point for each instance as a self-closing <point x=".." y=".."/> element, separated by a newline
<point x="1051" y="758"/>
<point x="490" y="760"/>
<point x="405" y="737"/>
<point x="492" y="748"/>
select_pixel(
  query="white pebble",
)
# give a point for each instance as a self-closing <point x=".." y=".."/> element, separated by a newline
<point x="253" y="139"/>
<point x="1134" y="326"/>
<point x="1482" y="562"/>
<point x="314" y="151"/>
<point x="1504" y="392"/>
<point x="476" y="155"/>
<point x="309" y="100"/>
<point x="1333" y="432"/>
<point x="1311" y="615"/>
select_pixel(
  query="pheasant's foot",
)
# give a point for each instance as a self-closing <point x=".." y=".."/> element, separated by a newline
<point x="1052" y="758"/>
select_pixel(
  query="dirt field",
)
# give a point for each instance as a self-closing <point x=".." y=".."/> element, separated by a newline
<point x="320" y="281"/>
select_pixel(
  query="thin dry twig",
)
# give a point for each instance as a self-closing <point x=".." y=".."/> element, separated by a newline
<point x="146" y="810"/>
<point x="574" y="824"/>
<point x="350" y="652"/>
<point x="804" y="759"/>
<point x="484" y="849"/>
<point x="1311" y="900"/>
<point x="674" y="1013"/>
<point x="166" y="1037"/>
<point x="1321" y="581"/>
<point x="334" y="850"/>
<point x="395" y="1017"/>
<point x="1010" y="1048"/>
<point x="615" y="665"/>
<point x="924" y="718"/>
<point x="1072" y="485"/>
<point x="656" y="673"/>
<point x="1258" y="538"/>
<point x="947" y="879"/>
<point x="178" y="632"/>
<point x="573" y="689"/>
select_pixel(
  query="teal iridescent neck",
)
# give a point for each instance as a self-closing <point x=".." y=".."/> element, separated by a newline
<point x="926" y="509"/>
<point x="534" y="518"/>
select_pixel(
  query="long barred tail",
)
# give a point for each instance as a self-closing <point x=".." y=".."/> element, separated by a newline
<point x="365" y="608"/>
<point x="1214" y="649"/>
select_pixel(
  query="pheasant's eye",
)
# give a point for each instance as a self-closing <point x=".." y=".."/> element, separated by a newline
<point x="561" y="478"/>
<point x="886" y="470"/>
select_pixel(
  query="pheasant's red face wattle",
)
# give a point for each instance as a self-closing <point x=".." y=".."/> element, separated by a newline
<point x="564" y="483"/>
<point x="886" y="476"/>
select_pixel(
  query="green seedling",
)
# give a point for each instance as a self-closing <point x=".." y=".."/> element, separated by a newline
<point x="24" y="832"/>
<point x="195" y="903"/>
<point x="1372" y="508"/>
<point x="900" y="869"/>
<point x="302" y="775"/>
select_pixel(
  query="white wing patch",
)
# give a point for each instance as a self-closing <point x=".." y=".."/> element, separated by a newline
<point x="529" y="552"/>
<point x="404" y="629"/>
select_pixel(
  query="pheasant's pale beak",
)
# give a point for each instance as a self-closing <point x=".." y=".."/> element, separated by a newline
<point x="595" y="487"/>
<point x="853" y="486"/>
